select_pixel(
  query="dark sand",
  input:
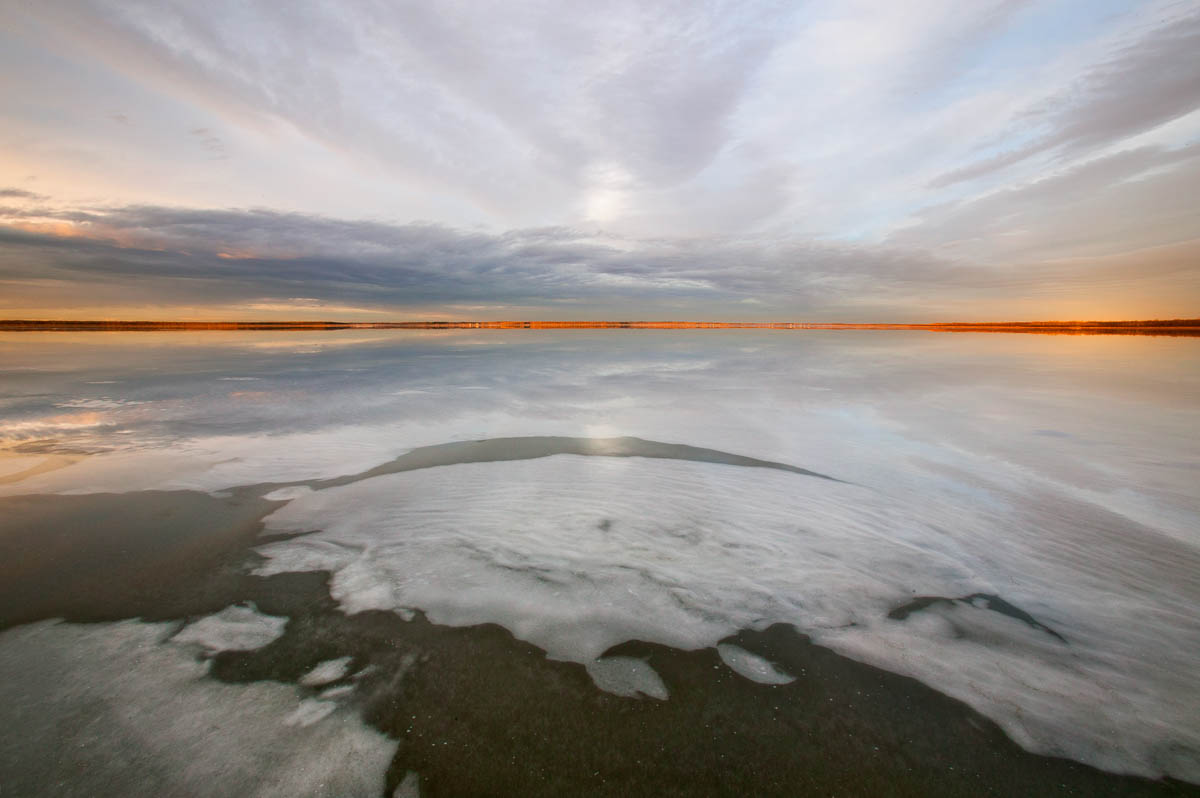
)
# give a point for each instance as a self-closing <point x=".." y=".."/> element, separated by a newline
<point x="477" y="712"/>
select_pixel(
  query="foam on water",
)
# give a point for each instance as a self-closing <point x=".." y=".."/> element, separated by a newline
<point x="577" y="554"/>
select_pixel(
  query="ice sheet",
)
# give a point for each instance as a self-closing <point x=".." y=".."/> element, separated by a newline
<point x="628" y="677"/>
<point x="131" y="716"/>
<point x="235" y="628"/>
<point x="287" y="494"/>
<point x="325" y="672"/>
<point x="752" y="666"/>
<point x="577" y="554"/>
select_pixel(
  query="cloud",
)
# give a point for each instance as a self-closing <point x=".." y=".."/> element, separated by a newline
<point x="706" y="159"/>
<point x="19" y="193"/>
<point x="250" y="261"/>
<point x="647" y="118"/>
<point x="177" y="254"/>
<point x="1123" y="202"/>
<point x="514" y="109"/>
<point x="1141" y="85"/>
<point x="305" y="305"/>
<point x="210" y="142"/>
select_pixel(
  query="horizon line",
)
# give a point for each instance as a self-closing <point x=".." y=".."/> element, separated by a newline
<point x="1187" y="326"/>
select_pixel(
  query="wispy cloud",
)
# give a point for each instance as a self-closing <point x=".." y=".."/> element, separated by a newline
<point x="1145" y="83"/>
<point x="1121" y="202"/>
<point x="210" y="142"/>
<point x="658" y="158"/>
<point x="20" y="194"/>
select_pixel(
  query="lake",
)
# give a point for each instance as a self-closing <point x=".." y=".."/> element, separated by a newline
<point x="599" y="562"/>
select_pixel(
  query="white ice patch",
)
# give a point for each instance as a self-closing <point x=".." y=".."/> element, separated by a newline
<point x="337" y="693"/>
<point x="627" y="676"/>
<point x="118" y="713"/>
<point x="577" y="554"/>
<point x="310" y="711"/>
<point x="288" y="493"/>
<point x="219" y="462"/>
<point x="752" y="666"/>
<point x="235" y="628"/>
<point x="409" y="786"/>
<point x="328" y="671"/>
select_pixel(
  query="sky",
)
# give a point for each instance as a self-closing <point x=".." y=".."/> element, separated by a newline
<point x="931" y="160"/>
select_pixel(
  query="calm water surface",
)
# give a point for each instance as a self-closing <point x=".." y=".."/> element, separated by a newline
<point x="1011" y="520"/>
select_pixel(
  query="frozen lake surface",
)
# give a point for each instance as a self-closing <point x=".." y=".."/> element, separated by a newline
<point x="1011" y="520"/>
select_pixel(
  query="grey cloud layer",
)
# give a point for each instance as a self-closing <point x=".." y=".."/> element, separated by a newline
<point x="19" y="194"/>
<point x="265" y="259"/>
<point x="175" y="255"/>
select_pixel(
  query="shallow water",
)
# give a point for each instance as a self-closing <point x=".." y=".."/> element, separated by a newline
<point x="1012" y="520"/>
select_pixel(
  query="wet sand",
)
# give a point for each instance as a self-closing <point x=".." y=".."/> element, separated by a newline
<point x="477" y="712"/>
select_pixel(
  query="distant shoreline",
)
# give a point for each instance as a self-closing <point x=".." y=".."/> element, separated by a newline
<point x="1180" y="327"/>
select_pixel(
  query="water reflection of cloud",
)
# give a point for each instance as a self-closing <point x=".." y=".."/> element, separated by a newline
<point x="940" y="430"/>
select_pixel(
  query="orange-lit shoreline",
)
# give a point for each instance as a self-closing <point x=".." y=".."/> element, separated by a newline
<point x="1181" y="327"/>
